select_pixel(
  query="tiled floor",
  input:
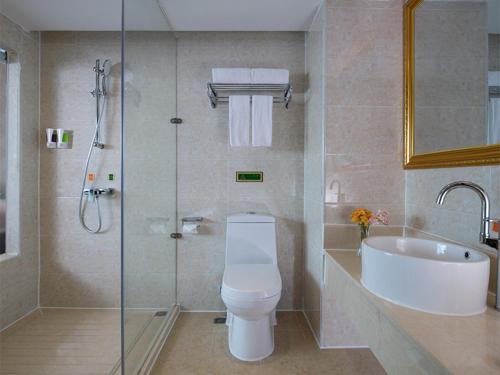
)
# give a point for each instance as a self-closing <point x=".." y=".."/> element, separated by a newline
<point x="67" y="341"/>
<point x="197" y="346"/>
<point x="76" y="342"/>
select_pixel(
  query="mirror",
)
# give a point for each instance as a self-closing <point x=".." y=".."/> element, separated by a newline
<point x="452" y="83"/>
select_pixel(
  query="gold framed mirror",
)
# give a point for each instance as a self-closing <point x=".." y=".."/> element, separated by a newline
<point x="447" y="106"/>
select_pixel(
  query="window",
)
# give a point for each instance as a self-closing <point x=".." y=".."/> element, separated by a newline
<point x="3" y="149"/>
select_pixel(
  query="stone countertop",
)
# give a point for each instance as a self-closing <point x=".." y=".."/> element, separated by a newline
<point x="463" y="345"/>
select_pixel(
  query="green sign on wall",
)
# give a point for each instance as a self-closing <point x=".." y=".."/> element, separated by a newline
<point x="252" y="176"/>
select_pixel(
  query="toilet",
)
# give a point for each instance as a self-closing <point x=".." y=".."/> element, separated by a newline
<point x="251" y="285"/>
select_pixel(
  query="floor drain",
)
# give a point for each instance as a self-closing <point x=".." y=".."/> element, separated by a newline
<point x="161" y="313"/>
<point x="221" y="320"/>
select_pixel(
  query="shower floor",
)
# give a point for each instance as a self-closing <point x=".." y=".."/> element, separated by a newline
<point x="68" y="341"/>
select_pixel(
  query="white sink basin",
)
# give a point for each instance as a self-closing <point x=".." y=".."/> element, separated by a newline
<point x="429" y="276"/>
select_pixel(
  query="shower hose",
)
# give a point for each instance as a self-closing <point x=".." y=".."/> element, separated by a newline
<point x="92" y="195"/>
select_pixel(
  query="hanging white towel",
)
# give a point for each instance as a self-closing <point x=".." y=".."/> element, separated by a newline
<point x="239" y="120"/>
<point x="273" y="76"/>
<point x="262" y="120"/>
<point x="494" y="121"/>
<point x="231" y="75"/>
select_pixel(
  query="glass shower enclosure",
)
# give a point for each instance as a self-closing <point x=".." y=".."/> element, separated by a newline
<point x="3" y="148"/>
<point x="149" y="205"/>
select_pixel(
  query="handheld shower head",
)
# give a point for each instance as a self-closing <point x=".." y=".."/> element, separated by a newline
<point x="106" y="67"/>
<point x="105" y="71"/>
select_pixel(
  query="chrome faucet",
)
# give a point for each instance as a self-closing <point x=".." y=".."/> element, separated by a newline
<point x="486" y="221"/>
<point x="484" y="234"/>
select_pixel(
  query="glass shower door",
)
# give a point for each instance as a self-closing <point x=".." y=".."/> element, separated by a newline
<point x="149" y="183"/>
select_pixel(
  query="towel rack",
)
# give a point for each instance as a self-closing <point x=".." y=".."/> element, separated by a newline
<point x="219" y="92"/>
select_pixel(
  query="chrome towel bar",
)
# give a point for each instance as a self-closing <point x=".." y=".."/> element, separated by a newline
<point x="219" y="92"/>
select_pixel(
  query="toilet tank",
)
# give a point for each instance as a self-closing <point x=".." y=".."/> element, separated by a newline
<point x="251" y="239"/>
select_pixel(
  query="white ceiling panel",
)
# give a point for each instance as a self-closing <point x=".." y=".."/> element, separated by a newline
<point x="183" y="15"/>
<point x="84" y="15"/>
<point x="240" y="15"/>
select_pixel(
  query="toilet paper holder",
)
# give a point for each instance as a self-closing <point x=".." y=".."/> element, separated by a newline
<point x="193" y="219"/>
<point x="191" y="225"/>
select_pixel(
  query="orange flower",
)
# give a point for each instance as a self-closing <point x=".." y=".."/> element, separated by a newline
<point x="361" y="216"/>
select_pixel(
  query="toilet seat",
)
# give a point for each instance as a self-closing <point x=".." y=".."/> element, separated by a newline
<point x="251" y="281"/>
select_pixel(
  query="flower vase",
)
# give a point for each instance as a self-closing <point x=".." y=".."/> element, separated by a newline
<point x="364" y="231"/>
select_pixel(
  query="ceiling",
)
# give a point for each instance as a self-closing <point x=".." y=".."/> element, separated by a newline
<point x="240" y="15"/>
<point x="183" y="15"/>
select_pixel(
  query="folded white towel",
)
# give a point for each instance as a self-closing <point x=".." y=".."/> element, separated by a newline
<point x="262" y="120"/>
<point x="276" y="76"/>
<point x="239" y="120"/>
<point x="231" y="75"/>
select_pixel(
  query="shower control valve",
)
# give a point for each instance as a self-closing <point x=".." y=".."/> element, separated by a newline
<point x="96" y="92"/>
<point x="93" y="194"/>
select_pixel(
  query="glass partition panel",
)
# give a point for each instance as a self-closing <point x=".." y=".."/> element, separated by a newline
<point x="149" y="179"/>
<point x="3" y="148"/>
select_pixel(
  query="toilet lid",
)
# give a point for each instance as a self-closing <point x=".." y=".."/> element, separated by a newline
<point x="251" y="281"/>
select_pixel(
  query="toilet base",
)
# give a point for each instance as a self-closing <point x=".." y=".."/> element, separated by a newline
<point x="251" y="340"/>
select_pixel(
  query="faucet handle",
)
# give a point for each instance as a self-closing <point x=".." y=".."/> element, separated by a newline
<point x="493" y="236"/>
<point x="494" y="225"/>
<point x="495" y="221"/>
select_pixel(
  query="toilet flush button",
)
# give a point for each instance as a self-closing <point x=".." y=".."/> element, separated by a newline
<point x="251" y="213"/>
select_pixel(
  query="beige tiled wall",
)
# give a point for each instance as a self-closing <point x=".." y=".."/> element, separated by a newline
<point x="314" y="169"/>
<point x="207" y="165"/>
<point x="78" y="269"/>
<point x="363" y="162"/>
<point x="364" y="109"/>
<point x="19" y="275"/>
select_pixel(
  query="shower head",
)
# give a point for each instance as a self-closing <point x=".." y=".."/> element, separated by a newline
<point x="106" y="67"/>
<point x="104" y="72"/>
